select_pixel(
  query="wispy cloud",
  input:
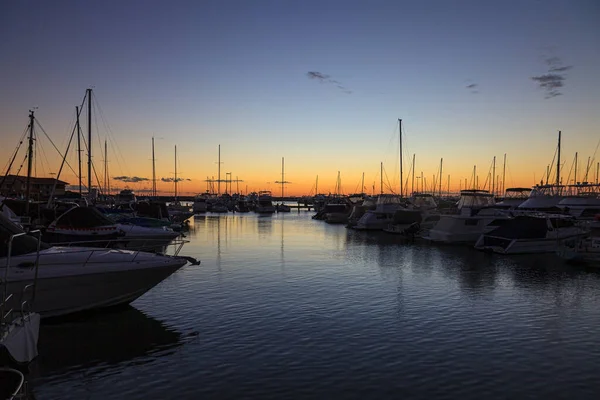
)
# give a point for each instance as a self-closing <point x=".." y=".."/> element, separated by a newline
<point x="173" y="179"/>
<point x="554" y="80"/>
<point x="473" y="88"/>
<point x="324" y="78"/>
<point x="130" y="179"/>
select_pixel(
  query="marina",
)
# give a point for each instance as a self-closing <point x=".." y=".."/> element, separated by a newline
<point x="304" y="200"/>
<point x="285" y="304"/>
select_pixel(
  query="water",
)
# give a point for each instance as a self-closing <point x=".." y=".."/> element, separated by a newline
<point x="285" y="306"/>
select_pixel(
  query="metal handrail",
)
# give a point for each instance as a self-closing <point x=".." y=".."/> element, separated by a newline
<point x="21" y="380"/>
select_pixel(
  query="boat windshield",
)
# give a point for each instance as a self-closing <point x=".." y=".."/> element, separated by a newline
<point x="475" y="199"/>
<point x="21" y="245"/>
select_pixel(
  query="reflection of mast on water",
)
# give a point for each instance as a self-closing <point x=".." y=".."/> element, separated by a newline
<point x="282" y="248"/>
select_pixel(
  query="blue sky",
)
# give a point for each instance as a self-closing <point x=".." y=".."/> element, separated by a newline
<point x="202" y="73"/>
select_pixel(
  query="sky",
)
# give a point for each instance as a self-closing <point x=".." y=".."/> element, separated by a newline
<point x="319" y="83"/>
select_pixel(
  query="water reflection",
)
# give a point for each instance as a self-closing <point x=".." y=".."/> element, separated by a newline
<point x="103" y="341"/>
<point x="264" y="223"/>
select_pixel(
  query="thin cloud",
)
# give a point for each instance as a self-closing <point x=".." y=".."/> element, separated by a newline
<point x="554" y="80"/>
<point x="130" y="179"/>
<point x="324" y="78"/>
<point x="173" y="179"/>
<point x="473" y="88"/>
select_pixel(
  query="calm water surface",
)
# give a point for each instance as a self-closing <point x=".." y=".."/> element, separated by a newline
<point x="285" y="306"/>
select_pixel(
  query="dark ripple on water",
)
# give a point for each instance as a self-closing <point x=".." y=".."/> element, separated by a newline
<point x="287" y="306"/>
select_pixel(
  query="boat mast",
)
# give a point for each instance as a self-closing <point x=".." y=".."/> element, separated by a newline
<point x="494" y="177"/>
<point x="412" y="185"/>
<point x="282" y="177"/>
<point x="89" y="99"/>
<point x="503" y="173"/>
<point x="448" y="185"/>
<point x="219" y="175"/>
<point x="317" y="186"/>
<point x="381" y="179"/>
<point x="441" y="166"/>
<point x="78" y="147"/>
<point x="400" y="130"/>
<point x="575" y="182"/>
<point x="422" y="183"/>
<point x="175" y="173"/>
<point x="153" y="170"/>
<point x="587" y="170"/>
<point x="29" y="161"/>
<point x="362" y="187"/>
<point x="558" y="164"/>
<point x="105" y="168"/>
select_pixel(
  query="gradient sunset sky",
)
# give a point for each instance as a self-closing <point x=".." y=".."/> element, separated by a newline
<point x="321" y="83"/>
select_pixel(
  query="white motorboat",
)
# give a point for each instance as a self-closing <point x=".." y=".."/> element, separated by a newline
<point x="143" y="237"/>
<point x="583" y="250"/>
<point x="74" y="279"/>
<point x="513" y="198"/>
<point x="264" y="203"/>
<point x="476" y="212"/>
<point x="419" y="216"/>
<point x="382" y="215"/>
<point x="529" y="234"/>
<point x="544" y="198"/>
<point x="583" y="202"/>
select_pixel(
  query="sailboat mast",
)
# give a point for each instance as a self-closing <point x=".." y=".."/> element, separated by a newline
<point x="558" y="164"/>
<point x="493" y="177"/>
<point x="282" y="176"/>
<point x="153" y="170"/>
<point x="105" y="168"/>
<point x="29" y="161"/>
<point x="175" y="173"/>
<point x="219" y="177"/>
<point x="89" y="99"/>
<point x="317" y="186"/>
<point x="401" y="176"/>
<point x="575" y="182"/>
<point x="381" y="179"/>
<point x="78" y="147"/>
<point x="448" y="185"/>
<point x="441" y="167"/>
<point x="412" y="185"/>
<point x="587" y="170"/>
<point x="503" y="174"/>
<point x="362" y="185"/>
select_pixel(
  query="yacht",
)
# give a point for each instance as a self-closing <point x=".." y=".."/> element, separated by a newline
<point x="382" y="215"/>
<point x="200" y="206"/>
<point x="76" y="279"/>
<point x="420" y="215"/>
<point x="583" y="202"/>
<point x="583" y="250"/>
<point x="475" y="213"/>
<point x="544" y="198"/>
<point x="264" y="203"/>
<point x="529" y="234"/>
<point x="513" y="198"/>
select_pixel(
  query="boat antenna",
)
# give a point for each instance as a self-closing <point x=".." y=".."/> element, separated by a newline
<point x="558" y="163"/>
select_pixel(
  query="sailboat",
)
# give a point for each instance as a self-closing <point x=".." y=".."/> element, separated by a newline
<point x="178" y="212"/>
<point x="282" y="207"/>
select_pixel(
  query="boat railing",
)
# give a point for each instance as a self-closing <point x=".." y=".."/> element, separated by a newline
<point x="25" y="304"/>
<point x="134" y="245"/>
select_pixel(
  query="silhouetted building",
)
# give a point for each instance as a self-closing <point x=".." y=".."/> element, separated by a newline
<point x="16" y="186"/>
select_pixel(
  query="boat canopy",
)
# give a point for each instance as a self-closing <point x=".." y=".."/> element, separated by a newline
<point x="423" y="200"/>
<point x="475" y="199"/>
<point x="81" y="217"/>
<point x="517" y="193"/>
<point x="389" y="199"/>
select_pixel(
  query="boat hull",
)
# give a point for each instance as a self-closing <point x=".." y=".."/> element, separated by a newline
<point x="519" y="246"/>
<point x="71" y="281"/>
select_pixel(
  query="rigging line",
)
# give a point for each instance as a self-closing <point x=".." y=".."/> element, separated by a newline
<point x="53" y="145"/>
<point x="16" y="151"/>
<point x="111" y="137"/>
